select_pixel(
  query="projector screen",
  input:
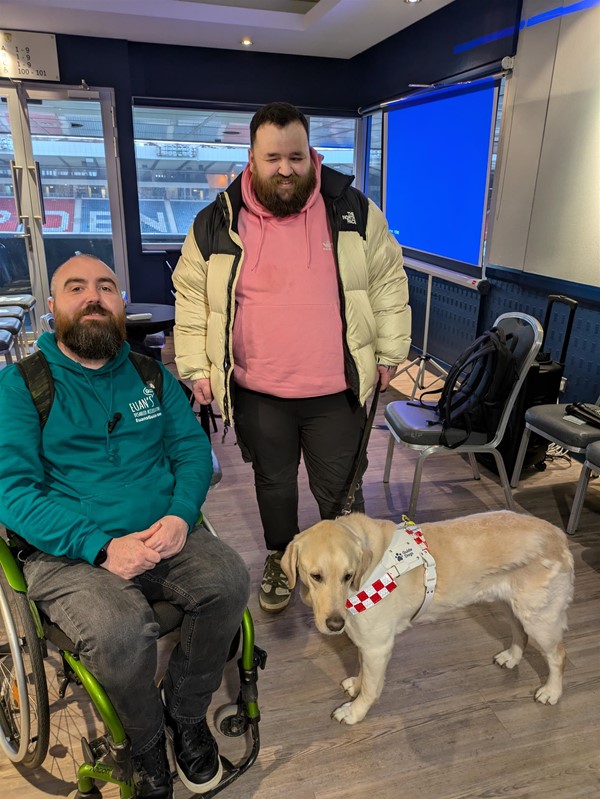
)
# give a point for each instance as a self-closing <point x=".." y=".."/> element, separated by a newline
<point x="437" y="160"/>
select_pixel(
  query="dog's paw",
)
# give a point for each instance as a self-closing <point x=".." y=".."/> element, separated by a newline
<point x="351" y="686"/>
<point x="547" y="696"/>
<point x="345" y="714"/>
<point x="506" y="659"/>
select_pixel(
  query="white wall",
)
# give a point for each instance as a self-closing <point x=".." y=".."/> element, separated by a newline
<point x="546" y="207"/>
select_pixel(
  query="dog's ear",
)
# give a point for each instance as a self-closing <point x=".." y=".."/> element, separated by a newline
<point x="366" y="558"/>
<point x="289" y="562"/>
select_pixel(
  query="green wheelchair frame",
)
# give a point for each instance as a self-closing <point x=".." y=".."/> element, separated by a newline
<point x="24" y="706"/>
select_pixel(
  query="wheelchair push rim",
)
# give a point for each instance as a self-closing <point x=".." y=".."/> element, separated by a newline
<point x="24" y="709"/>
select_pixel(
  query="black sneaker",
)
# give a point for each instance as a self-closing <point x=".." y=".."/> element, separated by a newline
<point x="151" y="773"/>
<point x="196" y="755"/>
<point x="275" y="593"/>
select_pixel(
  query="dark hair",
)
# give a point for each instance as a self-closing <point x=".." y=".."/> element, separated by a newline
<point x="279" y="114"/>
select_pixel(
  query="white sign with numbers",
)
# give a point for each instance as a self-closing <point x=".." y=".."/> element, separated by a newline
<point x="28" y="56"/>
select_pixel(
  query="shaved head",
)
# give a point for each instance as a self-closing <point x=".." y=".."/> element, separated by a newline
<point x="89" y="311"/>
<point x="80" y="260"/>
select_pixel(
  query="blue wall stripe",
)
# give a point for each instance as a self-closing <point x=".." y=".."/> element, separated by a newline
<point x="538" y="19"/>
<point x="553" y="13"/>
<point x="491" y="37"/>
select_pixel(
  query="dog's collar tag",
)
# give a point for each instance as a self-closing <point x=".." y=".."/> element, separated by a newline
<point x="407" y="550"/>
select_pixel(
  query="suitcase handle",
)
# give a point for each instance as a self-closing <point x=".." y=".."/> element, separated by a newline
<point x="560" y="298"/>
<point x="552" y="298"/>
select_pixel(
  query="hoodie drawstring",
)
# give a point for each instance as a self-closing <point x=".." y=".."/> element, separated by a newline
<point x="110" y="450"/>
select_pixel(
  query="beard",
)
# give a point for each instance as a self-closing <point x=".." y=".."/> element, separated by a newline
<point x="267" y="193"/>
<point x="94" y="339"/>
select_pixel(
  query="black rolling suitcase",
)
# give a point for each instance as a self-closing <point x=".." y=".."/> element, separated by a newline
<point x="541" y="387"/>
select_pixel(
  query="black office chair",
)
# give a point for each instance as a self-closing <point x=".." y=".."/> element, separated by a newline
<point x="415" y="428"/>
<point x="590" y="466"/>
<point x="553" y="423"/>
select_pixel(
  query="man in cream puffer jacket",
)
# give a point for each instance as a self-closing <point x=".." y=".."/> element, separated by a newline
<point x="291" y="302"/>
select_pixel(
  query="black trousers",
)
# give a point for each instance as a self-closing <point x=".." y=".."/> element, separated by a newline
<point x="273" y="433"/>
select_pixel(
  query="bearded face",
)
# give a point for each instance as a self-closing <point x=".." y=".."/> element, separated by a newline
<point x="284" y="196"/>
<point x="283" y="174"/>
<point x="94" y="332"/>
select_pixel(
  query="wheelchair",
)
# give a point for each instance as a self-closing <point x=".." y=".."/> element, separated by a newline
<point x="24" y="704"/>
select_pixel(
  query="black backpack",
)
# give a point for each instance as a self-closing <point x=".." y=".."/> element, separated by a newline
<point x="38" y="379"/>
<point x="477" y="387"/>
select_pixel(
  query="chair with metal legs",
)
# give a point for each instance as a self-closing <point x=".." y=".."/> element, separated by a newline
<point x="16" y="312"/>
<point x="14" y="326"/>
<point x="553" y="423"/>
<point x="26" y="302"/>
<point x="590" y="466"/>
<point x="8" y="346"/>
<point x="414" y="426"/>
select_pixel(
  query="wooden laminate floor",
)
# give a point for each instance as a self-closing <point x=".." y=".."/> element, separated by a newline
<point x="449" y="724"/>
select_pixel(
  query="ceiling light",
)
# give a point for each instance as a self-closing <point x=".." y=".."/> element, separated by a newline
<point x="246" y="41"/>
<point x="410" y="2"/>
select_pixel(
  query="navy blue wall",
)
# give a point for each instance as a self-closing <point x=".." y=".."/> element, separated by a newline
<point x="582" y="365"/>
<point x="464" y="35"/>
<point x="458" y="315"/>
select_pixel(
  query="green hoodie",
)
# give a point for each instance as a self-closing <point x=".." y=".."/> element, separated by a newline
<point x="72" y="487"/>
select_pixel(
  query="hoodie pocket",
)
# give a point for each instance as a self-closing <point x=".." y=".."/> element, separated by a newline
<point x="119" y="509"/>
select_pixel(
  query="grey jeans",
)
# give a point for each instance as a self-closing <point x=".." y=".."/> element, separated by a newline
<point x="111" y="622"/>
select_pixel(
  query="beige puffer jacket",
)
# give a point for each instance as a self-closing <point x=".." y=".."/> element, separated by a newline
<point x="374" y="289"/>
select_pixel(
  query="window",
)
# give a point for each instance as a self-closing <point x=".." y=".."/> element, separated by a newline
<point x="334" y="139"/>
<point x="375" y="152"/>
<point x="186" y="156"/>
<point x="65" y="146"/>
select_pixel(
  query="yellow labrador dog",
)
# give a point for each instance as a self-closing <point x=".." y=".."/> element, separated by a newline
<point x="517" y="559"/>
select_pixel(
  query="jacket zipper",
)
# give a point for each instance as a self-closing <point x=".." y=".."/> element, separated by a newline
<point x="352" y="371"/>
<point x="227" y="366"/>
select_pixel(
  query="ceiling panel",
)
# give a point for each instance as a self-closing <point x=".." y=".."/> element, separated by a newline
<point x="333" y="28"/>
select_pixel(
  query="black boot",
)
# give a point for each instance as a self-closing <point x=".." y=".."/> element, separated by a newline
<point x="196" y="755"/>
<point x="151" y="773"/>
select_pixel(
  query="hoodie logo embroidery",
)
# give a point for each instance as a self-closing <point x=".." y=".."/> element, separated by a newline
<point x="327" y="246"/>
<point x="145" y="408"/>
<point x="349" y="218"/>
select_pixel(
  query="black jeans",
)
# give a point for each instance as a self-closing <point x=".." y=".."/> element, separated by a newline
<point x="273" y="433"/>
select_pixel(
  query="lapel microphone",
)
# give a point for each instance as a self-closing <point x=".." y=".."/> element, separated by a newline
<point x="113" y="422"/>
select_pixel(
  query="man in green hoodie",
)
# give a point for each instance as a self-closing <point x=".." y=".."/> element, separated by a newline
<point x="107" y="496"/>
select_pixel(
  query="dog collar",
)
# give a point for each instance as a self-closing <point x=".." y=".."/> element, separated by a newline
<point x="407" y="550"/>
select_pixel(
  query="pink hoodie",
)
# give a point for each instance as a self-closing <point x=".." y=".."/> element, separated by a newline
<point x="287" y="333"/>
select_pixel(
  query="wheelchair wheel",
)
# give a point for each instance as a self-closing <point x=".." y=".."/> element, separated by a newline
<point x="24" y="710"/>
<point x="230" y="720"/>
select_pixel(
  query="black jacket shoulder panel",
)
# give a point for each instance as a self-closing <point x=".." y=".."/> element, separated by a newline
<point x="204" y="225"/>
<point x="211" y="225"/>
<point x="347" y="206"/>
<point x="334" y="183"/>
<point x="234" y="191"/>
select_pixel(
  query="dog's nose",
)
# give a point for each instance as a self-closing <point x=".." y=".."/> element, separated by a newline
<point x="335" y="623"/>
